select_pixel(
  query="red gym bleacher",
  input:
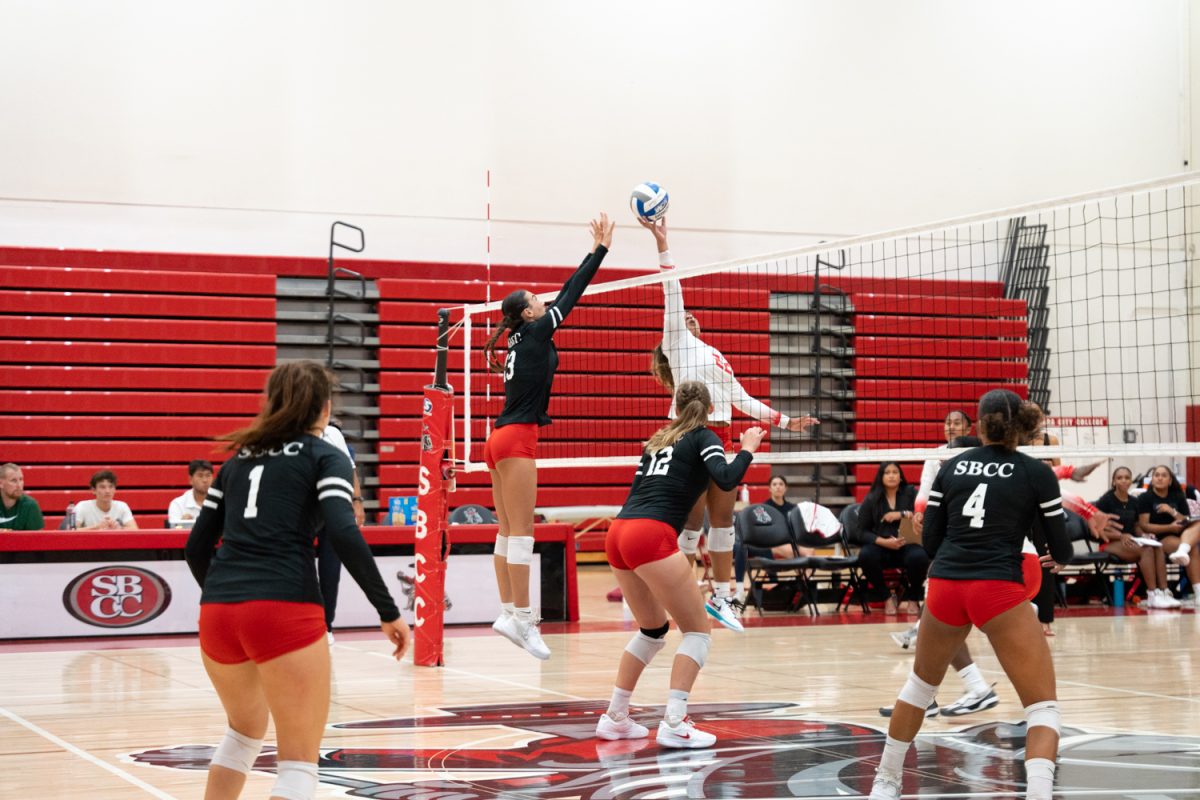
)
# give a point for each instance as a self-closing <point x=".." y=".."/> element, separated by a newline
<point x="135" y="368"/>
<point x="130" y="370"/>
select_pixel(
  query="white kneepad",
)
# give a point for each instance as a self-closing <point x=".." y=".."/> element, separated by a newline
<point x="720" y="540"/>
<point x="237" y="752"/>
<point x="695" y="646"/>
<point x="1044" y="714"/>
<point x="917" y="692"/>
<point x="520" y="549"/>
<point x="501" y="548"/>
<point x="295" y="780"/>
<point x="645" y="646"/>
<point x="689" y="542"/>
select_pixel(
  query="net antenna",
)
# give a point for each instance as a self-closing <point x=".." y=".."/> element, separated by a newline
<point x="1085" y="304"/>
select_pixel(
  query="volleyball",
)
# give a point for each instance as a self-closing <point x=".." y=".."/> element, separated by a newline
<point x="649" y="201"/>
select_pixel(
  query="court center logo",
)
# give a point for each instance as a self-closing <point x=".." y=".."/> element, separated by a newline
<point x="116" y="597"/>
<point x="763" y="749"/>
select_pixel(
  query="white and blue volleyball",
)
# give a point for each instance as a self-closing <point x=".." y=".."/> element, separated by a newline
<point x="649" y="201"/>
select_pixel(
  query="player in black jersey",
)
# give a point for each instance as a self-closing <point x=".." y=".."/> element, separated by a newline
<point x="655" y="577"/>
<point x="982" y="505"/>
<point x="528" y="368"/>
<point x="262" y="623"/>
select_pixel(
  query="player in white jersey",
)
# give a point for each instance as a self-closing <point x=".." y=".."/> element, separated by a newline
<point x="683" y="357"/>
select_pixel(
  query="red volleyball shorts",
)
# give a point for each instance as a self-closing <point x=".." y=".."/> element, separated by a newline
<point x="725" y="434"/>
<point x="1031" y="571"/>
<point x="976" y="603"/>
<point x="258" y="630"/>
<point x="511" y="441"/>
<point x="630" y="543"/>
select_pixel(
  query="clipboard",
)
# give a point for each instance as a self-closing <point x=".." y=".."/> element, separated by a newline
<point x="908" y="532"/>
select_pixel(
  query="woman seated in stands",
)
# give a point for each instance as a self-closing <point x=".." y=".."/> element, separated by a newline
<point x="889" y="501"/>
<point x="1150" y="560"/>
<point x="1163" y="514"/>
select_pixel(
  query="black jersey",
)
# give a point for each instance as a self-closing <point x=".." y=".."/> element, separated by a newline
<point x="1126" y="513"/>
<point x="668" y="483"/>
<point x="983" y="504"/>
<point x="1148" y="503"/>
<point x="532" y="359"/>
<point x="265" y="509"/>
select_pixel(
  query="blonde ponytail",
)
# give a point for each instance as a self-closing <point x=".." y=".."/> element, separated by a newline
<point x="692" y="402"/>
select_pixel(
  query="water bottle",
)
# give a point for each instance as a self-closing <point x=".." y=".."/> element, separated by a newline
<point x="1119" y="591"/>
<point x="69" y="520"/>
<point x="744" y="496"/>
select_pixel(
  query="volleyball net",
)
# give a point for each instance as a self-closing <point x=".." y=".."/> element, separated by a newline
<point x="1088" y="305"/>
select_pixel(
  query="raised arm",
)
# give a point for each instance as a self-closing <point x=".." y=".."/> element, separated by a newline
<point x="674" y="313"/>
<point x="728" y="474"/>
<point x="572" y="290"/>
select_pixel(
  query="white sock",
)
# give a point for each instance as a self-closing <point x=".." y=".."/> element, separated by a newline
<point x="721" y="590"/>
<point x="676" y="706"/>
<point x="1039" y="779"/>
<point x="523" y="614"/>
<point x="618" y="705"/>
<point x="892" y="760"/>
<point x="1184" y="548"/>
<point x="507" y="608"/>
<point x="973" y="680"/>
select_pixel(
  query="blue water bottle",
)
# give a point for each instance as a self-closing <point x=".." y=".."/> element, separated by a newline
<point x="1119" y="591"/>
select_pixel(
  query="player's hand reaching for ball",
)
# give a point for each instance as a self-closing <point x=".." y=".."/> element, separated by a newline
<point x="659" y="229"/>
<point x="397" y="633"/>
<point x="752" y="438"/>
<point x="602" y="231"/>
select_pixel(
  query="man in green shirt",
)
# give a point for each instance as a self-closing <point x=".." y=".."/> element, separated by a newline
<point x="18" y="510"/>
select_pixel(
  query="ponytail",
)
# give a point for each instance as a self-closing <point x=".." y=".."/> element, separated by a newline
<point x="513" y="307"/>
<point x="660" y="368"/>
<point x="1007" y="420"/>
<point x="296" y="396"/>
<point x="691" y="412"/>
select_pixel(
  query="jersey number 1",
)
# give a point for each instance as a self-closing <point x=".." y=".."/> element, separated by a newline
<point x="251" y="511"/>
<point x="974" y="506"/>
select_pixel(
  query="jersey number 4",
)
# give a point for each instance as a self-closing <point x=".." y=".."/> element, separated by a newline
<point x="660" y="462"/>
<point x="974" y="506"/>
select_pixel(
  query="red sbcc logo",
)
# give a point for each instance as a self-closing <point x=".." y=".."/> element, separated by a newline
<point x="117" y="597"/>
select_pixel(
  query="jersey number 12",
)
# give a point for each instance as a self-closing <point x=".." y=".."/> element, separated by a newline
<point x="974" y="506"/>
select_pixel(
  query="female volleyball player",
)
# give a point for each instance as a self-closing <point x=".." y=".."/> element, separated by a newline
<point x="683" y="357"/>
<point x="262" y="624"/>
<point x="656" y="579"/>
<point x="982" y="505"/>
<point x="1163" y="513"/>
<point x="511" y="450"/>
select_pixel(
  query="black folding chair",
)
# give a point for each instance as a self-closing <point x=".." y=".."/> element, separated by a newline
<point x="764" y="527"/>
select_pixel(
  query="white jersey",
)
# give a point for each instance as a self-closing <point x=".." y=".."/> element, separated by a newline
<point x="693" y="360"/>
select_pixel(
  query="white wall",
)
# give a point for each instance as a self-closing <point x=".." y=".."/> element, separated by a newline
<point x="248" y="126"/>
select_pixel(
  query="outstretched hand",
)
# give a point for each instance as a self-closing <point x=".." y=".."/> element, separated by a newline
<point x="1101" y="523"/>
<point x="797" y="424"/>
<point x="752" y="437"/>
<point x="658" y="229"/>
<point x="602" y="231"/>
<point x="1080" y="473"/>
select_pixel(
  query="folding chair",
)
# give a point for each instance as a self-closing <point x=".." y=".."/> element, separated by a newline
<point x="827" y="569"/>
<point x="763" y="526"/>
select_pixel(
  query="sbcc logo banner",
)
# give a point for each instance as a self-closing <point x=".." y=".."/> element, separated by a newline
<point x="117" y="597"/>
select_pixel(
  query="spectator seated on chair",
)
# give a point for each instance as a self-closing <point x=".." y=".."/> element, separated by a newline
<point x="472" y="514"/>
<point x="1150" y="560"/>
<point x="18" y="511"/>
<point x="889" y="501"/>
<point x="1164" y="513"/>
<point x="104" y="513"/>
<point x="777" y="487"/>
<point x="185" y="509"/>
